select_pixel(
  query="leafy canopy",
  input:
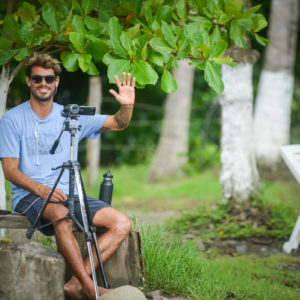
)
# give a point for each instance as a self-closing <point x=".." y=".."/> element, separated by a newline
<point x="144" y="38"/>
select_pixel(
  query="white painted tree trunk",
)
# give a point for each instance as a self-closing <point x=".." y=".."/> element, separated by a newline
<point x="239" y="176"/>
<point x="93" y="146"/>
<point x="275" y="91"/>
<point x="4" y="84"/>
<point x="171" y="153"/>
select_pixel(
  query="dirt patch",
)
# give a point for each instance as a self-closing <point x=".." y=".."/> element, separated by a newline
<point x="253" y="246"/>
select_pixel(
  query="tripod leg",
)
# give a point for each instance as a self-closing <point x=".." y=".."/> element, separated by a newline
<point x="31" y="230"/>
<point x="93" y="231"/>
<point x="85" y="220"/>
<point x="106" y="285"/>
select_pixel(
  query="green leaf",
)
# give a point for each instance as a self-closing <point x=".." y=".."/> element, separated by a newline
<point x="181" y="9"/>
<point x="156" y="59"/>
<point x="114" y="28"/>
<point x="222" y="60"/>
<point x="117" y="67"/>
<point x="91" y="23"/>
<point x="6" y="56"/>
<point x="218" y="48"/>
<point x="148" y="15"/>
<point x="70" y="61"/>
<point x="168" y="34"/>
<point x="236" y="35"/>
<point x="261" y="40"/>
<point x="77" y="40"/>
<point x="78" y="23"/>
<point x="216" y="34"/>
<point x="133" y="31"/>
<point x="26" y="32"/>
<point x="204" y="22"/>
<point x="250" y="11"/>
<point x="183" y="46"/>
<point x="23" y="53"/>
<point x="212" y="75"/>
<point x="164" y="13"/>
<point x="77" y="7"/>
<point x="205" y="50"/>
<point x="92" y="70"/>
<point x="108" y="58"/>
<point x="118" y="49"/>
<point x="88" y="5"/>
<point x="84" y="61"/>
<point x="11" y="27"/>
<point x="27" y="12"/>
<point x="5" y="43"/>
<point x="259" y="22"/>
<point x="246" y="23"/>
<point x="50" y="17"/>
<point x="168" y="82"/>
<point x="144" y="73"/>
<point x="234" y="7"/>
<point x="224" y="18"/>
<point x="205" y="36"/>
<point x="170" y="61"/>
<point x="126" y="42"/>
<point x="160" y="46"/>
<point x="199" y="64"/>
<point x="97" y="48"/>
<point x="145" y="52"/>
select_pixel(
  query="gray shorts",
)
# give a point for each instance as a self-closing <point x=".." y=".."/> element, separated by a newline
<point x="31" y="205"/>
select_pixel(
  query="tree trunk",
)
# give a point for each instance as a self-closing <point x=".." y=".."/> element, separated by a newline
<point x="275" y="91"/>
<point x="171" y="153"/>
<point x="239" y="176"/>
<point x="4" y="84"/>
<point x="93" y="146"/>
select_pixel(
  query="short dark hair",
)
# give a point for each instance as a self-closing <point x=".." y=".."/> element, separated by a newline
<point x="43" y="60"/>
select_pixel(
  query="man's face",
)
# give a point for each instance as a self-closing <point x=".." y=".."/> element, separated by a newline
<point x="42" y="89"/>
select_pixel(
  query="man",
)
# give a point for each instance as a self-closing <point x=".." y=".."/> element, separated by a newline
<point x="27" y="133"/>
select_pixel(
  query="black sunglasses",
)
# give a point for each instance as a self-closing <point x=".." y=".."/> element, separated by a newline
<point x="38" y="78"/>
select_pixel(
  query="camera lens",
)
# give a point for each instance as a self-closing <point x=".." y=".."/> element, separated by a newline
<point x="74" y="109"/>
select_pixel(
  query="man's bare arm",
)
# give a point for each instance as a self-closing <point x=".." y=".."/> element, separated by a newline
<point x="13" y="174"/>
<point x="120" y="120"/>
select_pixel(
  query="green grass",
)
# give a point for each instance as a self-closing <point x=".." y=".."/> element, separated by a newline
<point x="178" y="269"/>
<point x="133" y="192"/>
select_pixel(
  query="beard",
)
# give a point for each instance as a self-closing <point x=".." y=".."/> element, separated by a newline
<point x="42" y="98"/>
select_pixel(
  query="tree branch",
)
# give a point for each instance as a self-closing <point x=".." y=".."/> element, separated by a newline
<point x="18" y="68"/>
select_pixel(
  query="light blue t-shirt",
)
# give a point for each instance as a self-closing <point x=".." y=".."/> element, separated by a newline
<point x="25" y="136"/>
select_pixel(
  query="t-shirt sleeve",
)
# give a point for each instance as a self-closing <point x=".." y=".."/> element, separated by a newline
<point x="91" y="125"/>
<point x="9" y="140"/>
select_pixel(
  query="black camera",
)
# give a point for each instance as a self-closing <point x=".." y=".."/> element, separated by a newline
<point x="74" y="110"/>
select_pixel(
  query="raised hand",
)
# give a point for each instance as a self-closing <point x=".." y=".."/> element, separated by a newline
<point x="126" y="93"/>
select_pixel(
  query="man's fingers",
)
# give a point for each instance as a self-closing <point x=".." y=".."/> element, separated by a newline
<point x="117" y="81"/>
<point x="133" y="82"/>
<point x="128" y="79"/>
<point x="123" y="78"/>
<point x="114" y="93"/>
<point x="58" y="196"/>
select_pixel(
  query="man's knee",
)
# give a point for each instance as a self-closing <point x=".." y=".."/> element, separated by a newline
<point x="122" y="225"/>
<point x="55" y="212"/>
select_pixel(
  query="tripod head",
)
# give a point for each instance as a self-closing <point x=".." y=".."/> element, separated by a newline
<point x="72" y="112"/>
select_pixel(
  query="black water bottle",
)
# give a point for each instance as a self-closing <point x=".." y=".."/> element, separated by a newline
<point x="106" y="188"/>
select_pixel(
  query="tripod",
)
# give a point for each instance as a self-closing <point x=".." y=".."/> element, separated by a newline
<point x="87" y="226"/>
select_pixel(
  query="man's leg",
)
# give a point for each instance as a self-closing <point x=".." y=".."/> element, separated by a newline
<point x="118" y="226"/>
<point x="69" y="248"/>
